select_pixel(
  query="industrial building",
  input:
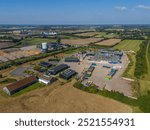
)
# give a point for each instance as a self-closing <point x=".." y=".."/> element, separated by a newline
<point x="58" y="69"/>
<point x="19" y="85"/>
<point x="72" y="59"/>
<point x="47" y="79"/>
<point x="45" y="64"/>
<point x="67" y="74"/>
<point x="111" y="56"/>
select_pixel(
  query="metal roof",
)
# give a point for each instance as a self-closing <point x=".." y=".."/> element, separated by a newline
<point x="23" y="82"/>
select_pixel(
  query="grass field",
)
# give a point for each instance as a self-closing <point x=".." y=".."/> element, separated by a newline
<point x="7" y="81"/>
<point x="128" y="45"/>
<point x="34" y="41"/>
<point x="109" y="42"/>
<point x="61" y="98"/>
<point x="129" y="73"/>
<point x="145" y="82"/>
<point x="106" y="35"/>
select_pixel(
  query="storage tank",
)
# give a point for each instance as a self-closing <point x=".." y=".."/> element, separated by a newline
<point x="44" y="47"/>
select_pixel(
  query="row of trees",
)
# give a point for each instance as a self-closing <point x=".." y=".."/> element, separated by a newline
<point x="111" y="94"/>
<point x="141" y="63"/>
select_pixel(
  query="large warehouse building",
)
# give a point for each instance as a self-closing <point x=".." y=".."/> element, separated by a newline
<point x="19" y="85"/>
<point x="58" y="69"/>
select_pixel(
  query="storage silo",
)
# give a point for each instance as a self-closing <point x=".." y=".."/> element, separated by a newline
<point x="44" y="47"/>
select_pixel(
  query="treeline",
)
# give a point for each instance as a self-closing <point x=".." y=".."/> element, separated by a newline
<point x="111" y="94"/>
<point x="32" y="58"/>
<point x="10" y="38"/>
<point x="141" y="63"/>
<point x="143" y="102"/>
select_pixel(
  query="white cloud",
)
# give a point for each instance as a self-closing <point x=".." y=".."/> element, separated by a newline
<point x="121" y="8"/>
<point x="143" y="7"/>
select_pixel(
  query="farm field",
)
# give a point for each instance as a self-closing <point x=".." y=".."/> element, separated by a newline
<point x="129" y="73"/>
<point x="34" y="41"/>
<point x="78" y="31"/>
<point x="81" y="42"/>
<point x="90" y="34"/>
<point x="106" y="35"/>
<point x="129" y="45"/>
<point x="109" y="42"/>
<point x="6" y="44"/>
<point x="61" y="98"/>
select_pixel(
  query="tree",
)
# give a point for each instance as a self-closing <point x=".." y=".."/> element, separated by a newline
<point x="58" y="40"/>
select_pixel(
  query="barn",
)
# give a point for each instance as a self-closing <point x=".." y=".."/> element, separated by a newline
<point x="67" y="74"/>
<point x="19" y="85"/>
<point x="58" y="69"/>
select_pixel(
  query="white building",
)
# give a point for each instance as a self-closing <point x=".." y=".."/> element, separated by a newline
<point x="47" y="79"/>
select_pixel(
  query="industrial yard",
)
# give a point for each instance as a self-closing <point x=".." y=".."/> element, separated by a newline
<point x="100" y="72"/>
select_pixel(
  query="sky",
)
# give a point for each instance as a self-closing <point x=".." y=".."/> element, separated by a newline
<point x="53" y="12"/>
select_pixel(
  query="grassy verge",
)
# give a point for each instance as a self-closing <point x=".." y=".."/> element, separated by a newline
<point x="141" y="67"/>
<point x="7" y="81"/>
<point x="129" y="72"/>
<point x="28" y="89"/>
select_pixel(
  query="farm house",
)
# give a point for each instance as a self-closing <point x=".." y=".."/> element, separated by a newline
<point x="19" y="85"/>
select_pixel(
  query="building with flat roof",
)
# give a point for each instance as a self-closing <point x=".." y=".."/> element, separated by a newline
<point x="45" y="64"/>
<point x="67" y="74"/>
<point x="72" y="59"/>
<point x="58" y="69"/>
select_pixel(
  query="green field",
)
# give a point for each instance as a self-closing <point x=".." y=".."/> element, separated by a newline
<point x="7" y="81"/>
<point x="106" y="35"/>
<point x="34" y="41"/>
<point x="128" y="45"/>
<point x="129" y="73"/>
<point x="145" y="82"/>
